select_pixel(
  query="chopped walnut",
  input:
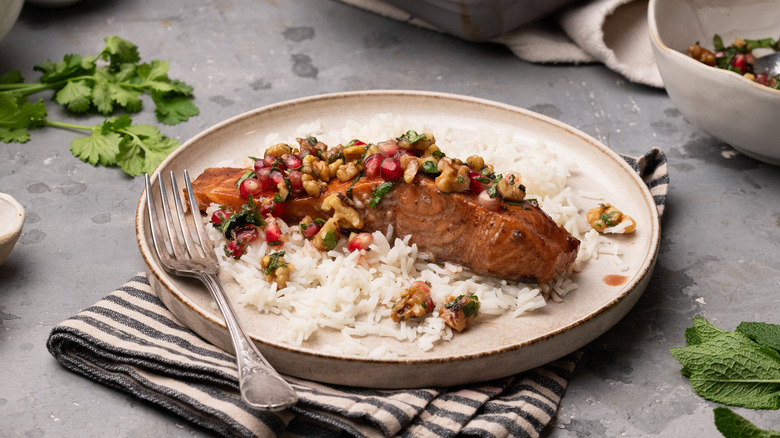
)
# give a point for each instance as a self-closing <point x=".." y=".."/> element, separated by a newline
<point x="607" y="219"/>
<point x="459" y="311"/>
<point x="279" y="149"/>
<point x="453" y="178"/>
<point x="411" y="165"/>
<point x="511" y="187"/>
<point x="343" y="212"/>
<point x="414" y="302"/>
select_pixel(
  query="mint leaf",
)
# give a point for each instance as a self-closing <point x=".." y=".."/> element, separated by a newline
<point x="701" y="331"/>
<point x="764" y="334"/>
<point x="732" y="425"/>
<point x="730" y="368"/>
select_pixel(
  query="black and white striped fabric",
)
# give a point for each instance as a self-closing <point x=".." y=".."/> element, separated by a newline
<point x="129" y="341"/>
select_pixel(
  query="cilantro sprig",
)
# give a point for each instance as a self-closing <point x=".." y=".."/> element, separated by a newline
<point x="113" y="80"/>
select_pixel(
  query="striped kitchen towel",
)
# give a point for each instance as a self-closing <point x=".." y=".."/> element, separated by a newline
<point x="130" y="341"/>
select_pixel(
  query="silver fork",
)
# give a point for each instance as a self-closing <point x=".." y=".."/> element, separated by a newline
<point x="261" y="386"/>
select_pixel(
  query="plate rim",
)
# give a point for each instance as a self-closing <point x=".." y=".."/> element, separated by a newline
<point x="642" y="275"/>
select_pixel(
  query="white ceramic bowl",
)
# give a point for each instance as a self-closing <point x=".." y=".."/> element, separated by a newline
<point x="479" y="20"/>
<point x="731" y="108"/>
<point x="9" y="12"/>
<point x="11" y="221"/>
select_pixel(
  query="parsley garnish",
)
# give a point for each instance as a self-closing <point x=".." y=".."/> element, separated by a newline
<point x="379" y="192"/>
<point x="312" y="141"/>
<point x="438" y="155"/>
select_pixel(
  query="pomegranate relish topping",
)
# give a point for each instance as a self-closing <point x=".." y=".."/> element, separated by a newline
<point x="737" y="57"/>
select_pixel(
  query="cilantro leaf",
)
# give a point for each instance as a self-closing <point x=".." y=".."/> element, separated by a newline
<point x="732" y="425"/>
<point x="18" y="116"/>
<point x="732" y="369"/>
<point x="99" y="148"/>
<point x="119" y="51"/>
<point x="330" y="241"/>
<point x="379" y="192"/>
<point x="12" y="77"/>
<point x="76" y="96"/>
<point x="173" y="109"/>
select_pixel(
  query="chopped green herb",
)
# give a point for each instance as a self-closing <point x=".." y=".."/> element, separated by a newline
<point x="470" y="308"/>
<point x="312" y="141"/>
<point x="460" y="179"/>
<point x="319" y="220"/>
<point x="412" y="137"/>
<point x="275" y="262"/>
<point x="249" y="214"/>
<point x="379" y="192"/>
<point x="354" y="181"/>
<point x="330" y="240"/>
<point x="248" y="174"/>
<point x="430" y="167"/>
<point x="438" y="155"/>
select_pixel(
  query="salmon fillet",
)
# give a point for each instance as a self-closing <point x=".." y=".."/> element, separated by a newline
<point x="517" y="242"/>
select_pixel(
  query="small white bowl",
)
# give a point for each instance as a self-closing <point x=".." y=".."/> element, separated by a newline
<point x="11" y="221"/>
<point x="730" y="107"/>
<point x="9" y="12"/>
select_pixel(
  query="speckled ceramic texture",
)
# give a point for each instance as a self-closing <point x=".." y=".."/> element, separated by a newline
<point x="732" y="108"/>
<point x="494" y="347"/>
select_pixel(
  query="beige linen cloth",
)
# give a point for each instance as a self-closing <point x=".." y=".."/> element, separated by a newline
<point x="614" y="32"/>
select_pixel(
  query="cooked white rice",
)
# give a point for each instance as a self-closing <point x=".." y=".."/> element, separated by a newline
<point x="354" y="292"/>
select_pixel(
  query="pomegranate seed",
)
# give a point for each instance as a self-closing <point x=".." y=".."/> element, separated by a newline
<point x="259" y="165"/>
<point x="388" y="148"/>
<point x="762" y="78"/>
<point x="391" y="170"/>
<point x="750" y="59"/>
<point x="401" y="152"/>
<point x="250" y="186"/>
<point x="739" y="62"/>
<point x="372" y="165"/>
<point x="246" y="234"/>
<point x="275" y="178"/>
<point x="234" y="249"/>
<point x="263" y="175"/>
<point x="219" y="216"/>
<point x="292" y="161"/>
<point x="360" y="241"/>
<point x="273" y="234"/>
<point x="311" y="230"/>
<point x="271" y="208"/>
<point x="492" y="204"/>
<point x="420" y="285"/>
<point x="296" y="180"/>
<point x="272" y="160"/>
<point x="475" y="185"/>
<point x="357" y="142"/>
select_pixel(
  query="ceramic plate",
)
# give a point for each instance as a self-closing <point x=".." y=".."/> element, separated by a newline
<point x="499" y="346"/>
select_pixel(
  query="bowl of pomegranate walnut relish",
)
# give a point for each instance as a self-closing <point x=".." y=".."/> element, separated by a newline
<point x="705" y="52"/>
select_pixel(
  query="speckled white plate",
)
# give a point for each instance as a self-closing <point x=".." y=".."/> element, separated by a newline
<point x="497" y="346"/>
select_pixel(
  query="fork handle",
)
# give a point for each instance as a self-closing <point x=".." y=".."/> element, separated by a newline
<point x="261" y="386"/>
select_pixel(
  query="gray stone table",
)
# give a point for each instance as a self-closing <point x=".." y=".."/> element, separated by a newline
<point x="721" y="230"/>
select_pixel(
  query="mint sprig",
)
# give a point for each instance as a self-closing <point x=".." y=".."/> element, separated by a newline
<point x="732" y="425"/>
<point x="730" y="367"/>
